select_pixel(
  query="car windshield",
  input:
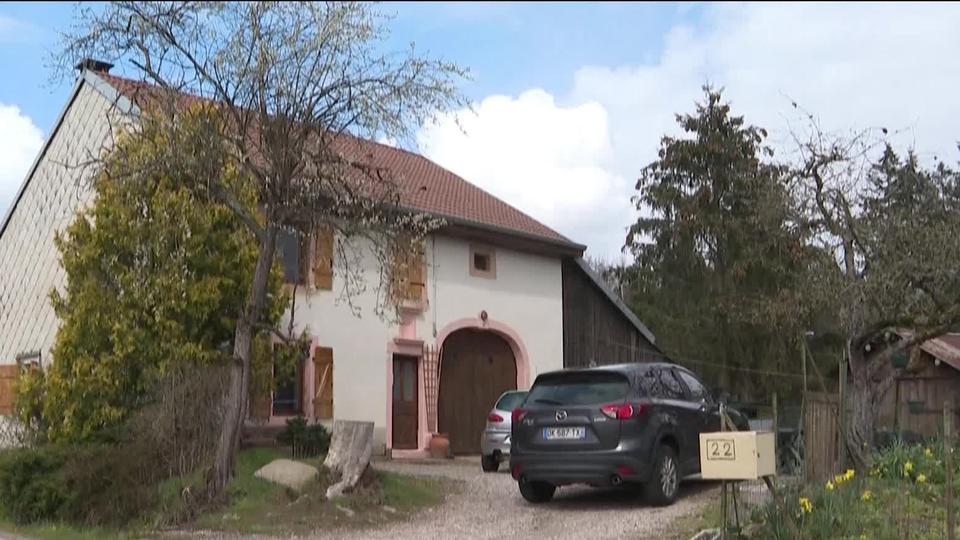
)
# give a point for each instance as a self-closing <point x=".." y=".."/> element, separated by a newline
<point x="510" y="401"/>
<point x="579" y="389"/>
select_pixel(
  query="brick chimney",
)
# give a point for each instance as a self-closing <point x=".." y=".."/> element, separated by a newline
<point x="97" y="66"/>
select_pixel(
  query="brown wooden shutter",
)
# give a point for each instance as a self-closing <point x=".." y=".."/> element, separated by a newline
<point x="417" y="272"/>
<point x="323" y="382"/>
<point x="8" y="376"/>
<point x="410" y="275"/>
<point x="323" y="258"/>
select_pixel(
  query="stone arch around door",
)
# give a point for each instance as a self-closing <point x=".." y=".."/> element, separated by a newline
<point x="478" y="361"/>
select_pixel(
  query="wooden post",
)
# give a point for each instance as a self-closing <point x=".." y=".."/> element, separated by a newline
<point x="803" y="402"/>
<point x="776" y="432"/>
<point x="948" y="464"/>
<point x="723" y="484"/>
<point x="896" y="406"/>
<point x="842" y="434"/>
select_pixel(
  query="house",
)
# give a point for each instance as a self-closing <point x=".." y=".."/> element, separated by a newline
<point x="493" y="298"/>
<point x="930" y="376"/>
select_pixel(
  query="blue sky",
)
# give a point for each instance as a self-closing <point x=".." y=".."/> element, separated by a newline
<point x="570" y="100"/>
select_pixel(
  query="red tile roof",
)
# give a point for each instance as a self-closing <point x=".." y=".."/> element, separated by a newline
<point x="423" y="185"/>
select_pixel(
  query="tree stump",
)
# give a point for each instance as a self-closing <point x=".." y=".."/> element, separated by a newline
<point x="349" y="455"/>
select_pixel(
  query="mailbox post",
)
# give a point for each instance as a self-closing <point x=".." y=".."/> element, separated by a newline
<point x="732" y="456"/>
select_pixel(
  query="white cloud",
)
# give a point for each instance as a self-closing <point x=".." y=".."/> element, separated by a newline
<point x="572" y="165"/>
<point x="20" y="141"/>
<point x="549" y="161"/>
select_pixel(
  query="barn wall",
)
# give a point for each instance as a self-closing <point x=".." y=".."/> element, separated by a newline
<point x="929" y="386"/>
<point x="595" y="332"/>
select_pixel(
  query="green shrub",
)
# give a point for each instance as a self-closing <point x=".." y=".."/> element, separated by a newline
<point x="31" y="486"/>
<point x="307" y="440"/>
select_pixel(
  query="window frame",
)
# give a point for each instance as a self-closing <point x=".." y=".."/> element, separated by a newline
<point x="491" y="254"/>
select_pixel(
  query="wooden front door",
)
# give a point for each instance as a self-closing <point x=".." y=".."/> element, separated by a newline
<point x="405" y="408"/>
<point x="476" y="367"/>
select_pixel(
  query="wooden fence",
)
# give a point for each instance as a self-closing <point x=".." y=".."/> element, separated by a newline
<point x="821" y="428"/>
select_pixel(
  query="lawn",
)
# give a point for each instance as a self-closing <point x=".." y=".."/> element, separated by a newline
<point x="260" y="507"/>
<point x="257" y="506"/>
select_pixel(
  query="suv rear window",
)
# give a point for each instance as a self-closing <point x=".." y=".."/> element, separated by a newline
<point x="510" y="401"/>
<point x="579" y="389"/>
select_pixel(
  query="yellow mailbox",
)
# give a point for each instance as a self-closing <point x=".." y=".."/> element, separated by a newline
<point x="737" y="455"/>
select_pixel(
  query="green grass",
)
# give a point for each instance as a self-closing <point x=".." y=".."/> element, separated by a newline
<point x="260" y="507"/>
<point x="902" y="493"/>
<point x="60" y="531"/>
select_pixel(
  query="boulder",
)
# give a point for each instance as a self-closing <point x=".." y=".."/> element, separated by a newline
<point x="288" y="473"/>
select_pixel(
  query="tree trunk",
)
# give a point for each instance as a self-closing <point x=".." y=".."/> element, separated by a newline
<point x="349" y="456"/>
<point x="235" y="399"/>
<point x="862" y="420"/>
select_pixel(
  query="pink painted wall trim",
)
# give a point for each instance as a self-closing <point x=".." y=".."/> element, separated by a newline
<point x="504" y="331"/>
<point x="407" y="347"/>
<point x="404" y="345"/>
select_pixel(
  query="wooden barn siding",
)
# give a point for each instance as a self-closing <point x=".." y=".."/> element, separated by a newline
<point x="931" y="385"/>
<point x="594" y="330"/>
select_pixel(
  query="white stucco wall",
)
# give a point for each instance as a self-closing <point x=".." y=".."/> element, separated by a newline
<point x="526" y="295"/>
<point x="29" y="261"/>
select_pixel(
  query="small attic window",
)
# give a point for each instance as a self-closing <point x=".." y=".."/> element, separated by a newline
<point x="483" y="262"/>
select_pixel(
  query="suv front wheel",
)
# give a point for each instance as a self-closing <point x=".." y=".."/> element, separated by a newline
<point x="537" y="492"/>
<point x="663" y="487"/>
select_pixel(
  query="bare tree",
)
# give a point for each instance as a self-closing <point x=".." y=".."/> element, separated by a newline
<point x="293" y="84"/>
<point x="890" y="231"/>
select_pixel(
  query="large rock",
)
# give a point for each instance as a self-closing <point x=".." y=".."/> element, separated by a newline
<point x="289" y="473"/>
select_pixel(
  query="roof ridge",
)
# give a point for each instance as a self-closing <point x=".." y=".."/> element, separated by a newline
<point x="478" y="205"/>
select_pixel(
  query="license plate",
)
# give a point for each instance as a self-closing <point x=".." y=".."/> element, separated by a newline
<point x="564" y="433"/>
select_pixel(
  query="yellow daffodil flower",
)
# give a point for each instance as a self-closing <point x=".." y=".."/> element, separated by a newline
<point x="829" y="485"/>
<point x="907" y="468"/>
<point x="921" y="478"/>
<point x="805" y="505"/>
<point x="867" y="495"/>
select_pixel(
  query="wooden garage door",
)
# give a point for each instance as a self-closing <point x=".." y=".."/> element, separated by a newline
<point x="476" y="367"/>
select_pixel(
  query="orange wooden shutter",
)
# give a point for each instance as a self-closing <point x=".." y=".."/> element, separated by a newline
<point x="410" y="275"/>
<point x="418" y="275"/>
<point x="8" y="375"/>
<point x="323" y="382"/>
<point x="323" y="258"/>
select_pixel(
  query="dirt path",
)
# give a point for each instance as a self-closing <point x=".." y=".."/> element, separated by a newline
<point x="489" y="507"/>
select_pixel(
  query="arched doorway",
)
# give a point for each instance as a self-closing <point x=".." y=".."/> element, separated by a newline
<point x="476" y="366"/>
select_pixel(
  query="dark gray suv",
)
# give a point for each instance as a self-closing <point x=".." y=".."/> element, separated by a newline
<point x="606" y="426"/>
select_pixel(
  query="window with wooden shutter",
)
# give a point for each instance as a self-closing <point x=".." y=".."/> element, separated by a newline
<point x="410" y="275"/>
<point x="294" y="250"/>
<point x="323" y="382"/>
<point x="323" y="258"/>
<point x="8" y="376"/>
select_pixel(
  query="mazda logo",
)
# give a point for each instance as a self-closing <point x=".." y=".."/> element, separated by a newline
<point x="561" y="415"/>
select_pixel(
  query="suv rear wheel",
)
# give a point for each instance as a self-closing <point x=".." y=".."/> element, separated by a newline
<point x="537" y="492"/>
<point x="663" y="487"/>
<point x="489" y="463"/>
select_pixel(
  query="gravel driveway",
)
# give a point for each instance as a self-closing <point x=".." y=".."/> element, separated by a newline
<point x="490" y="506"/>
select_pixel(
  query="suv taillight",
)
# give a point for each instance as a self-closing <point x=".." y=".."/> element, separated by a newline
<point x="623" y="411"/>
<point x="494" y="418"/>
<point x="517" y="415"/>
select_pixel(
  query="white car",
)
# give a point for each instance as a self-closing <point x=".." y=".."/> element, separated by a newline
<point x="495" y="441"/>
